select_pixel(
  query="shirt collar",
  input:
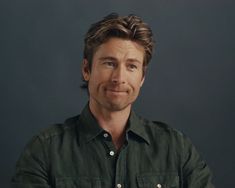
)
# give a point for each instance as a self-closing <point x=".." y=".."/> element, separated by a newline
<point x="88" y="127"/>
<point x="136" y="125"/>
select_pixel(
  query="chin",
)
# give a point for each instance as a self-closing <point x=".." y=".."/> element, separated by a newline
<point x="117" y="106"/>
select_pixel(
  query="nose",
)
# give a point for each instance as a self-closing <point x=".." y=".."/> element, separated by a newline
<point x="118" y="75"/>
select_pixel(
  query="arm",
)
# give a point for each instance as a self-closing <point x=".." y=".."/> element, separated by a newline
<point x="196" y="173"/>
<point x="31" y="168"/>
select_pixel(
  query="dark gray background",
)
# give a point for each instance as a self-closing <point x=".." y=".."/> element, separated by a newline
<point x="189" y="85"/>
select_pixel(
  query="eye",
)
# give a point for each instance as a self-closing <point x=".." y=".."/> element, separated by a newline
<point x="109" y="64"/>
<point x="132" y="67"/>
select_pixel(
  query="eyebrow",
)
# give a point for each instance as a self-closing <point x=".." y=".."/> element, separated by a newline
<point x="115" y="59"/>
<point x="134" y="60"/>
<point x="108" y="58"/>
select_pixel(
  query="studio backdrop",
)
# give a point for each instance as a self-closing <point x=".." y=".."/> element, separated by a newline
<point x="189" y="82"/>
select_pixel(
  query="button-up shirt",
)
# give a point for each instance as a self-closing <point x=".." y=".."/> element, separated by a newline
<point x="79" y="153"/>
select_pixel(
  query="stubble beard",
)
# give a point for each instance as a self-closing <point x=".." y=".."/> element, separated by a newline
<point x="113" y="106"/>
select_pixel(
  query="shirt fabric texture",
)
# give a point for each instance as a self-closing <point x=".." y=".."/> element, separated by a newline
<point x="80" y="154"/>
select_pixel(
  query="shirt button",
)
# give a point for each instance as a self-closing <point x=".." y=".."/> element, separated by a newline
<point x="119" y="185"/>
<point x="105" y="135"/>
<point x="111" y="153"/>
<point x="159" y="185"/>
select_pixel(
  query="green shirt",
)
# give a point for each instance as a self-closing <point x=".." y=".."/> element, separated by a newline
<point x="79" y="154"/>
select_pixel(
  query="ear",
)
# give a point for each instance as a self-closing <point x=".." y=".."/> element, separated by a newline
<point x="85" y="70"/>
<point x="143" y="77"/>
<point x="142" y="81"/>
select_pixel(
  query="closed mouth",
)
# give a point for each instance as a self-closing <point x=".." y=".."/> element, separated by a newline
<point x="116" y="91"/>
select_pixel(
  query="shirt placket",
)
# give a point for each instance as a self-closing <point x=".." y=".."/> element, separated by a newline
<point x="119" y="161"/>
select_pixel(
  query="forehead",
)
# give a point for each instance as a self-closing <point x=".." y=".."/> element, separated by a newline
<point x="120" y="49"/>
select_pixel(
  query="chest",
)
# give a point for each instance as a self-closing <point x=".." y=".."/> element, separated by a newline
<point x="98" y="164"/>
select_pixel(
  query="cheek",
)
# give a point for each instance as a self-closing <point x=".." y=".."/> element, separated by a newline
<point x="137" y="81"/>
<point x="135" y="87"/>
<point x="98" y="78"/>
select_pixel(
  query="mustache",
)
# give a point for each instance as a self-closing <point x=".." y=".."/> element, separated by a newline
<point x="116" y="88"/>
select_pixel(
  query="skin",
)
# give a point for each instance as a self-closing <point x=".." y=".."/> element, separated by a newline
<point x="114" y="82"/>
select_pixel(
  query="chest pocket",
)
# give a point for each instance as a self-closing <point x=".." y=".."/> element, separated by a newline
<point x="80" y="182"/>
<point x="158" y="181"/>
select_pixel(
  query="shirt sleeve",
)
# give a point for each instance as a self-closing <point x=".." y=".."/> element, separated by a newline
<point x="196" y="172"/>
<point x="31" y="168"/>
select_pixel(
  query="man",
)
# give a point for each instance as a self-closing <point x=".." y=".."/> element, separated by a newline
<point x="108" y="145"/>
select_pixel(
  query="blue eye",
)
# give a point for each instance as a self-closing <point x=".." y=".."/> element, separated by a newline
<point x="109" y="63"/>
<point x="132" y="66"/>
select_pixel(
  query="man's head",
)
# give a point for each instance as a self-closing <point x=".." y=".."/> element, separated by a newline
<point x="128" y="27"/>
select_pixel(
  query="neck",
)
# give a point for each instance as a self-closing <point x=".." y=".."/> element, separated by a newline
<point x="113" y="122"/>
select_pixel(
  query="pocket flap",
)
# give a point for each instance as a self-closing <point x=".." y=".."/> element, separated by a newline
<point x="73" y="182"/>
<point x="158" y="180"/>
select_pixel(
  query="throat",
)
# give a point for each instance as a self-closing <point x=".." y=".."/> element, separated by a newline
<point x="118" y="141"/>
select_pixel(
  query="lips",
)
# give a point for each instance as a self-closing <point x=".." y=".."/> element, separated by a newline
<point x="117" y="91"/>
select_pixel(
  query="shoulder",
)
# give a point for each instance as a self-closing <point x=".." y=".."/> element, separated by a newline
<point x="51" y="137"/>
<point x="59" y="129"/>
<point x="161" y="128"/>
<point x="158" y="131"/>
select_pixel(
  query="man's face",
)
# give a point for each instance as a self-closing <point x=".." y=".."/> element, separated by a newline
<point x="116" y="74"/>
